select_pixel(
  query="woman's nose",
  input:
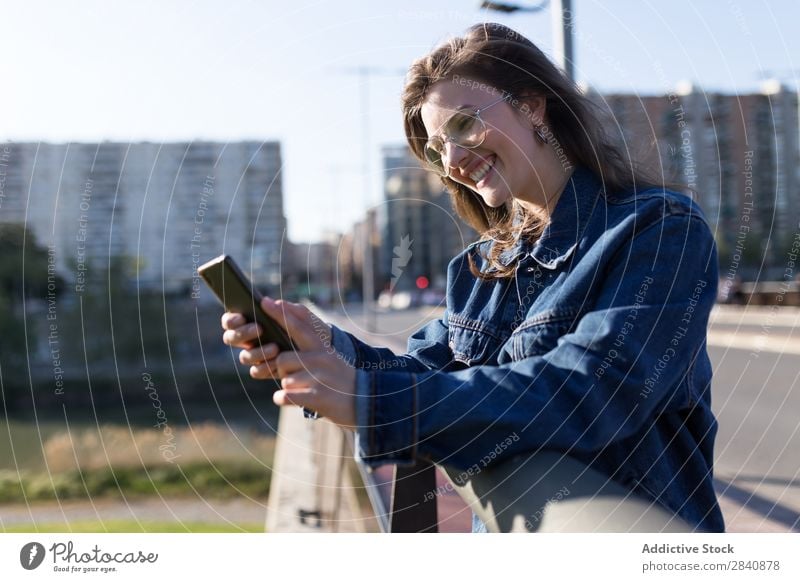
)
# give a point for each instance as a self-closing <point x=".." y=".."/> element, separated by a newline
<point x="453" y="155"/>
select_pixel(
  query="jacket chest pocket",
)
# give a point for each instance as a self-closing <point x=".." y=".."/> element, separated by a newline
<point x="471" y="343"/>
<point x="540" y="334"/>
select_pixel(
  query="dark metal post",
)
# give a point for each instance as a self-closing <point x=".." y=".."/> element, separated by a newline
<point x="414" y="500"/>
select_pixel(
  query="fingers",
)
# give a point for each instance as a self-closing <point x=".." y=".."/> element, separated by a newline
<point x="232" y="320"/>
<point x="265" y="371"/>
<point x="292" y="362"/>
<point x="319" y="382"/>
<point x="307" y="331"/>
<point x="301" y="380"/>
<point x="298" y="388"/>
<point x="297" y="398"/>
<point x="243" y="336"/>
<point x="280" y="366"/>
<point x="258" y="354"/>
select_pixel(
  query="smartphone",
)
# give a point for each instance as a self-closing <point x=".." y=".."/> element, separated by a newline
<point x="237" y="294"/>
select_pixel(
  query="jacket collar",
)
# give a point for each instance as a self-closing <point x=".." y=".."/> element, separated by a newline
<point x="567" y="223"/>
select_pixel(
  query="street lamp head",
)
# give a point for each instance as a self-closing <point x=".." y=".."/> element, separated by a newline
<point x="499" y="7"/>
<point x="509" y="8"/>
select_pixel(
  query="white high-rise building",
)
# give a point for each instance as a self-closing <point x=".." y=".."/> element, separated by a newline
<point x="162" y="209"/>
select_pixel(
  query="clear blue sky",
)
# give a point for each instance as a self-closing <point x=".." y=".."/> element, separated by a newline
<point x="228" y="70"/>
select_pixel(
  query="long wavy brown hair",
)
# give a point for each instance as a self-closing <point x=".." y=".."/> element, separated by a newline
<point x="506" y="61"/>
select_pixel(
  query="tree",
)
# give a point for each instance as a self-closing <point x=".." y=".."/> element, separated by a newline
<point x="21" y="254"/>
<point x="23" y="275"/>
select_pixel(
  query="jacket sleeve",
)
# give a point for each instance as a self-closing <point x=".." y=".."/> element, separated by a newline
<point x="427" y="350"/>
<point x="650" y="313"/>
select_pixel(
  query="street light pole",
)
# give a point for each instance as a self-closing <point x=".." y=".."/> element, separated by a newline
<point x="563" y="22"/>
<point x="368" y="276"/>
<point x="561" y="13"/>
<point x="365" y="74"/>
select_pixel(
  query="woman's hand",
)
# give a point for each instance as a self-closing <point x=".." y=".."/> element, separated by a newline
<point x="307" y="331"/>
<point x="314" y="376"/>
<point x="320" y="381"/>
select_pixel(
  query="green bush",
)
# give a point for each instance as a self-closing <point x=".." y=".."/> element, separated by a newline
<point x="10" y="487"/>
<point x="66" y="487"/>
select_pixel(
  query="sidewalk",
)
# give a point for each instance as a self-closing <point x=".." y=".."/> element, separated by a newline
<point x="230" y="512"/>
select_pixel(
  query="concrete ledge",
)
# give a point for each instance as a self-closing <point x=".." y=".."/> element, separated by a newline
<point x="547" y="492"/>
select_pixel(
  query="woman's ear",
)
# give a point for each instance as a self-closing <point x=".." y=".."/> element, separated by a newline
<point x="534" y="108"/>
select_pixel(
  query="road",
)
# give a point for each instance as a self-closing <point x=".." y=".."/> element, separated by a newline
<point x="756" y="397"/>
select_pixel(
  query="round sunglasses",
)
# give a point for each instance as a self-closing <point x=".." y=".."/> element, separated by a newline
<point x="465" y="128"/>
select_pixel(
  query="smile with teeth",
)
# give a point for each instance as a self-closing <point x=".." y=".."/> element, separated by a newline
<point x="481" y="172"/>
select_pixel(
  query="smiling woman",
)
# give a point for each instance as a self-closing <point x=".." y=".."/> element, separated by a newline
<point x="543" y="128"/>
<point x="575" y="326"/>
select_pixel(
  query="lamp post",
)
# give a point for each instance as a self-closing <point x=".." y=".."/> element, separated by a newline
<point x="563" y="23"/>
<point x="365" y="74"/>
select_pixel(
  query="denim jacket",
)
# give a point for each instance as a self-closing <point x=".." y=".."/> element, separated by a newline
<point x="596" y="348"/>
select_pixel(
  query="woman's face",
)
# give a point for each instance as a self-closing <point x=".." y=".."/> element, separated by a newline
<point x="509" y="150"/>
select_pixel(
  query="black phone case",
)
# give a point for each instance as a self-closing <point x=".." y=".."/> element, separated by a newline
<point x="237" y="294"/>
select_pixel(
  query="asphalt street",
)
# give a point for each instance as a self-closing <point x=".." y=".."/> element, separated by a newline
<point x="756" y="397"/>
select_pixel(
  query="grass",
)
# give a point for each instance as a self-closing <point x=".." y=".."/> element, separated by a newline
<point x="206" y="460"/>
<point x="223" y="480"/>
<point x="132" y="526"/>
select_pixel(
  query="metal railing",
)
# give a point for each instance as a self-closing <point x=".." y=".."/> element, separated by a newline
<point x="406" y="505"/>
<point x="541" y="492"/>
<point x="314" y="490"/>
